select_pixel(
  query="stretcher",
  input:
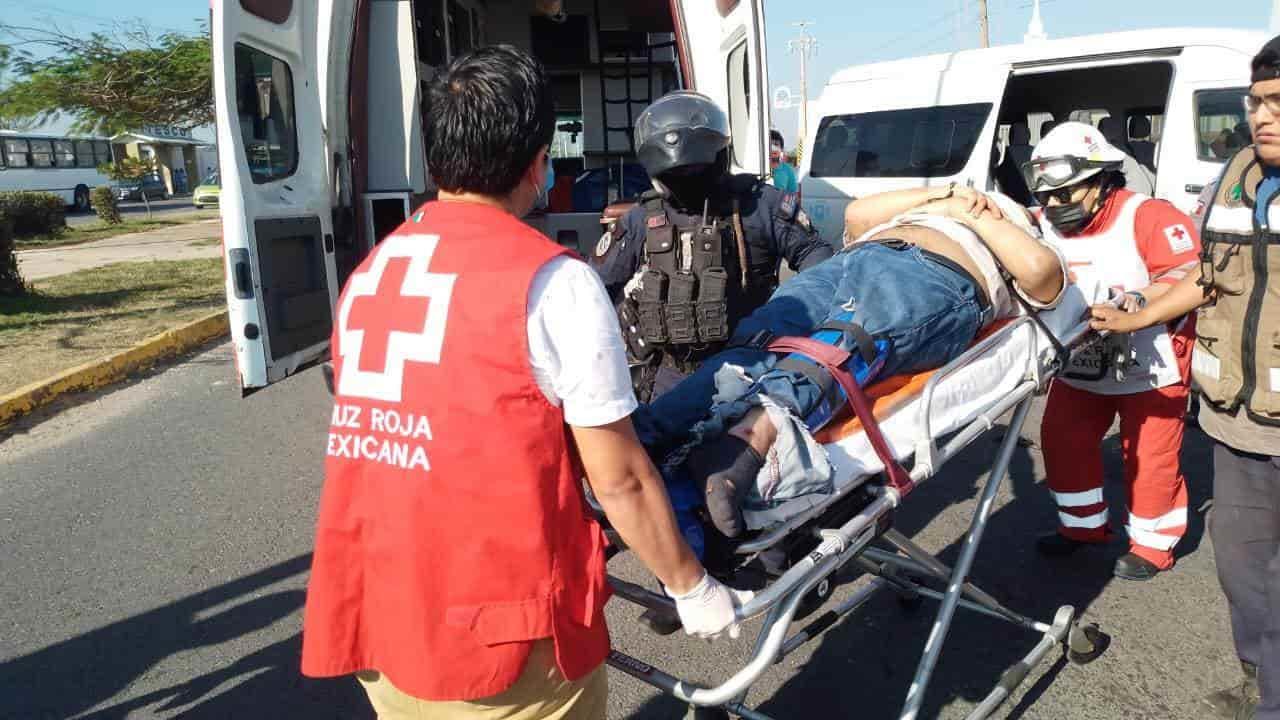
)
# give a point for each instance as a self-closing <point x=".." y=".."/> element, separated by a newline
<point x="924" y="420"/>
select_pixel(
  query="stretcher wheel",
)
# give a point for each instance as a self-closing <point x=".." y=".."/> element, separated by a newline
<point x="1085" y="643"/>
<point x="815" y="598"/>
<point x="707" y="713"/>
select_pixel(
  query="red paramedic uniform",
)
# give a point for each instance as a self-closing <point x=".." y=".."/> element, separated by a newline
<point x="453" y="531"/>
<point x="1132" y="243"/>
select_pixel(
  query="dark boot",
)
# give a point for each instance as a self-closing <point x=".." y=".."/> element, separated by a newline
<point x="1135" y="567"/>
<point x="726" y="467"/>
<point x="1239" y="701"/>
<point x="1057" y="545"/>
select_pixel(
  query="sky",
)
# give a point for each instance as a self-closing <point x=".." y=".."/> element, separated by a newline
<point x="848" y="32"/>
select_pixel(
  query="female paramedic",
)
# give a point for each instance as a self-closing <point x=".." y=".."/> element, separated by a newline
<point x="479" y="375"/>
<point x="1115" y="240"/>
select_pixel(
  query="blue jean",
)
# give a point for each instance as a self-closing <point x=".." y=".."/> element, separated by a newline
<point x="929" y="314"/>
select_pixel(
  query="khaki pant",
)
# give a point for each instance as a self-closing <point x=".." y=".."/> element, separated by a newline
<point x="540" y="693"/>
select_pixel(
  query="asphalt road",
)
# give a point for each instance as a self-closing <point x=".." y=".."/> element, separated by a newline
<point x="159" y="208"/>
<point x="155" y="552"/>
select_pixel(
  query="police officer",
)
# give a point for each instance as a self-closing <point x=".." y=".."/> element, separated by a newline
<point x="701" y="250"/>
<point x="1236" y="368"/>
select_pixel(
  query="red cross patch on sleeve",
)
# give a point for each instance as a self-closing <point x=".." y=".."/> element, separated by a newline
<point x="1179" y="239"/>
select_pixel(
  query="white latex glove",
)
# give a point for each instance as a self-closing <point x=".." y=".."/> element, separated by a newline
<point x="708" y="609"/>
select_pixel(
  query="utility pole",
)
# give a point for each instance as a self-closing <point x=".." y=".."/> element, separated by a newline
<point x="982" y="23"/>
<point x="805" y="45"/>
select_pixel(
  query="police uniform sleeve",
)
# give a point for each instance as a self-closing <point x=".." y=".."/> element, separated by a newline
<point x="617" y="255"/>
<point x="797" y="239"/>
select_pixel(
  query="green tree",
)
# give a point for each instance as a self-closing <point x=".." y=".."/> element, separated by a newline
<point x="130" y="169"/>
<point x="107" y="82"/>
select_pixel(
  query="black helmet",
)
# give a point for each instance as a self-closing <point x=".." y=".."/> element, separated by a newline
<point x="679" y="130"/>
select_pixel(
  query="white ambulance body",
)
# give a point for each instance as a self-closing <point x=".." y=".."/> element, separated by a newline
<point x="322" y="154"/>
<point x="951" y="117"/>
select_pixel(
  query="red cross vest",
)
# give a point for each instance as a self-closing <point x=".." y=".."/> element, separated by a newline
<point x="453" y="531"/>
<point x="1110" y="259"/>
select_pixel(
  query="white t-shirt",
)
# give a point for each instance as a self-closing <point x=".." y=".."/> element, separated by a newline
<point x="1002" y="302"/>
<point x="575" y="345"/>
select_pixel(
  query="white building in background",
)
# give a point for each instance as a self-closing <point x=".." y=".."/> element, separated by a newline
<point x="181" y="159"/>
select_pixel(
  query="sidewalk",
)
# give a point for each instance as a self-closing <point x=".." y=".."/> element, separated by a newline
<point x="170" y="243"/>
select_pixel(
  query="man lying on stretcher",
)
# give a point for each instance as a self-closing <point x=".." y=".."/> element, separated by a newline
<point x="914" y="285"/>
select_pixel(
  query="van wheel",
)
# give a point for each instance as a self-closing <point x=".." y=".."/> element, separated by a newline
<point x="81" y="199"/>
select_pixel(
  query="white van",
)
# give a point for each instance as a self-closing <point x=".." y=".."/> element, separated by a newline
<point x="1173" y="98"/>
<point x="319" y="121"/>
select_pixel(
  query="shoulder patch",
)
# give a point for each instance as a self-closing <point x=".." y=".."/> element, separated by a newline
<point x="802" y="219"/>
<point x="1179" y="239"/>
<point x="602" y="246"/>
<point x="655" y="221"/>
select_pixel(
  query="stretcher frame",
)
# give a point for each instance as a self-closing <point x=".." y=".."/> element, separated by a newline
<point x="903" y="568"/>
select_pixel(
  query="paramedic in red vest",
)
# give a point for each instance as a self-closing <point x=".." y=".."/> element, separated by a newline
<point x="1115" y="241"/>
<point x="479" y="375"/>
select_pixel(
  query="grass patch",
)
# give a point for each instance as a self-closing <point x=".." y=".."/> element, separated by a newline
<point x="70" y="319"/>
<point x="206" y="242"/>
<point x="76" y="234"/>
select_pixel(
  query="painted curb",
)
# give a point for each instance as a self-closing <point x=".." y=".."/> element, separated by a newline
<point x="112" y="368"/>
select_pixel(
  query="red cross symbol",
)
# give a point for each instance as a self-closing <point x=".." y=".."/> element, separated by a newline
<point x="1088" y="140"/>
<point x="386" y="312"/>
<point x="1178" y="232"/>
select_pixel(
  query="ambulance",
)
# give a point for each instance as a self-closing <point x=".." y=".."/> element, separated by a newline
<point x="1171" y="98"/>
<point x="320" y="108"/>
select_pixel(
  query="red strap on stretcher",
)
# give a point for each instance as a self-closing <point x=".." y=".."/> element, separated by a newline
<point x="833" y="359"/>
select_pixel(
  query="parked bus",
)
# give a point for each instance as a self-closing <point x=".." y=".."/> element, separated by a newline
<point x="58" y="164"/>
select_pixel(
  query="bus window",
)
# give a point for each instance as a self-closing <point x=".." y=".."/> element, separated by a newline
<point x="41" y="153"/>
<point x="102" y="151"/>
<point x="16" y="152"/>
<point x="264" y="103"/>
<point x="64" y="153"/>
<point x="84" y="154"/>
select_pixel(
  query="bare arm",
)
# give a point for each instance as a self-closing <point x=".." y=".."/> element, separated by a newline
<point x="632" y="494"/>
<point x="1179" y="300"/>
<point x="1034" y="266"/>
<point x="867" y="212"/>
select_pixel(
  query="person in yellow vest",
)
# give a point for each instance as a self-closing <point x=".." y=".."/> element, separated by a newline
<point x="1236" y="369"/>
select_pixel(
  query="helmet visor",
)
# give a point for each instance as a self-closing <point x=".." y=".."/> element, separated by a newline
<point x="682" y="110"/>
<point x="1055" y="172"/>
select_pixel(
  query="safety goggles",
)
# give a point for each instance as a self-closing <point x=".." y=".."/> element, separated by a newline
<point x="1056" y="172"/>
<point x="1063" y="194"/>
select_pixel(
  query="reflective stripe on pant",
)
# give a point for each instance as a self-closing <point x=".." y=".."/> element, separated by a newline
<point x="1151" y="425"/>
<point x="1245" y="527"/>
<point x="540" y="693"/>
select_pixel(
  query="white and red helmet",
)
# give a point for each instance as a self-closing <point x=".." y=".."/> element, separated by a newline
<point x="1072" y="152"/>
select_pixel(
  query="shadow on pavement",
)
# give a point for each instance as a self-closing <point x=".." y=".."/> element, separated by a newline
<point x="868" y="660"/>
<point x="72" y="677"/>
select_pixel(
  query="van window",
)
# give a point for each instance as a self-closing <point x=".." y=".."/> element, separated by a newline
<point x="1221" y="125"/>
<point x="739" y="102"/>
<point x="264" y="103"/>
<point x="16" y="152"/>
<point x="919" y="142"/>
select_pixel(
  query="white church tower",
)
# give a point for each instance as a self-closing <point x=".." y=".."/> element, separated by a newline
<point x="1035" y="30"/>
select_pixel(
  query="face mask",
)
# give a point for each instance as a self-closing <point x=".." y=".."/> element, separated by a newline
<point x="1067" y="219"/>
<point x="543" y="198"/>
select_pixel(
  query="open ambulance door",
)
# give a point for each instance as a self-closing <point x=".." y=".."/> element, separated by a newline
<point x="276" y="200"/>
<point x="723" y="54"/>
